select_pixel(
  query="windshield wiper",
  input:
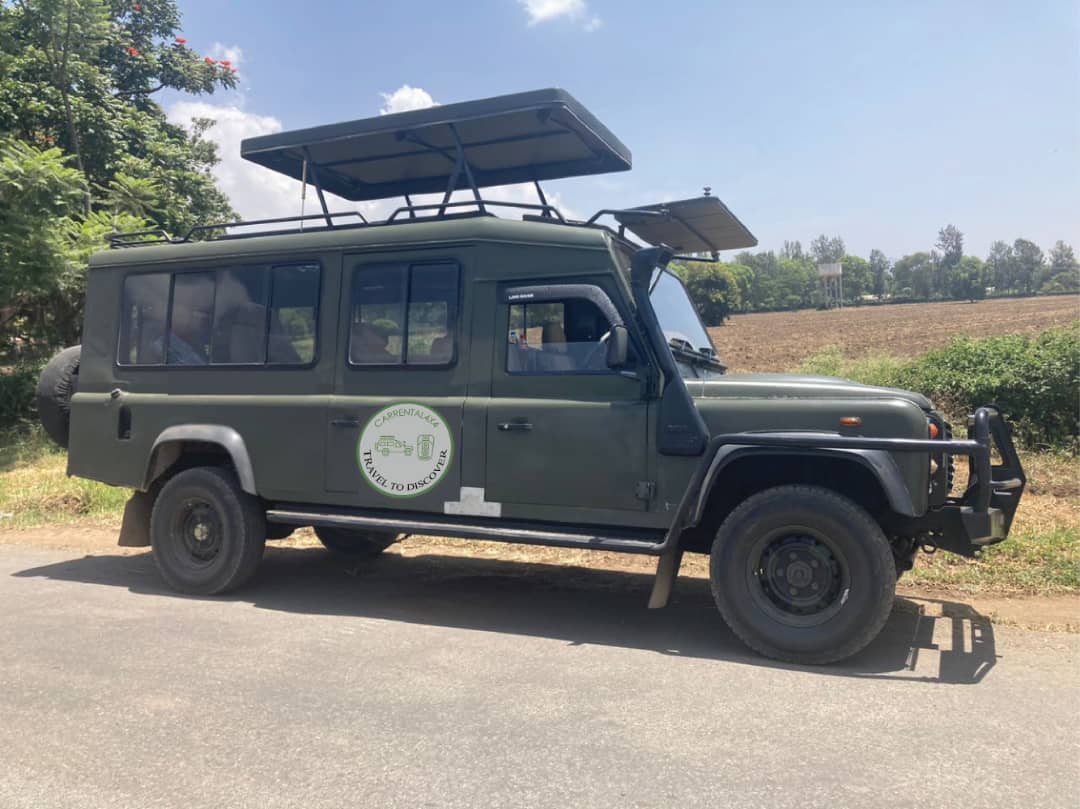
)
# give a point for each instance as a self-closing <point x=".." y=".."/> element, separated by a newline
<point x="679" y="348"/>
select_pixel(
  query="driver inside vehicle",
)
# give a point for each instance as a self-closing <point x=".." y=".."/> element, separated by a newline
<point x="585" y="328"/>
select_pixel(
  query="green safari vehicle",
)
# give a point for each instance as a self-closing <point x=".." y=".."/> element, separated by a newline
<point x="525" y="378"/>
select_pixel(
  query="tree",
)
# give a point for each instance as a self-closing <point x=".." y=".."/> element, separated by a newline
<point x="950" y="242"/>
<point x="968" y="279"/>
<point x="1063" y="272"/>
<point x="1028" y="265"/>
<point x="793" y="250"/>
<point x="913" y="275"/>
<point x="879" y="271"/>
<point x="715" y="289"/>
<point x="1001" y="266"/>
<point x="858" y="278"/>
<point x="44" y="243"/>
<point x="826" y="250"/>
<point x="77" y="80"/>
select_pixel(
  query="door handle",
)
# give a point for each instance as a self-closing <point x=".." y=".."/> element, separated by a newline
<point x="351" y="421"/>
<point x="515" y="426"/>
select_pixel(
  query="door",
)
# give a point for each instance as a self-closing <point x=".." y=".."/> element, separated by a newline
<point x="394" y="431"/>
<point x="563" y="429"/>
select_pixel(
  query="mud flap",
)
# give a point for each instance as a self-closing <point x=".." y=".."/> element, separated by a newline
<point x="667" y="569"/>
<point x="135" y="528"/>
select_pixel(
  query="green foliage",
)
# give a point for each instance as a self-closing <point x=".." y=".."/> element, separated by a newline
<point x="827" y="250"/>
<point x="716" y="289"/>
<point x="1063" y="272"/>
<point x="17" y="394"/>
<point x="84" y="148"/>
<point x="968" y="279"/>
<point x="858" y="277"/>
<point x="1035" y="380"/>
<point x="876" y="369"/>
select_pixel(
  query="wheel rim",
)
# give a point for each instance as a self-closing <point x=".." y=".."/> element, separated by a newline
<point x="198" y="533"/>
<point x="798" y="576"/>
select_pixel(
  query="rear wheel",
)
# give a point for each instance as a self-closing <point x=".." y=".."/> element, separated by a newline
<point x="208" y="535"/>
<point x="355" y="542"/>
<point x="802" y="574"/>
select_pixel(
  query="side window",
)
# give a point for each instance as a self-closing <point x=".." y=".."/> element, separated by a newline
<point x="433" y="295"/>
<point x="253" y="315"/>
<point x="566" y="336"/>
<point x="191" y="319"/>
<point x="142" y="322"/>
<point x="404" y="315"/>
<point x="378" y="315"/>
<point x="293" y="314"/>
<point x="240" y="317"/>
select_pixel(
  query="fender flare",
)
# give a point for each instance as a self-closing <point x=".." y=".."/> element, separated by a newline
<point x="879" y="462"/>
<point x="225" y="437"/>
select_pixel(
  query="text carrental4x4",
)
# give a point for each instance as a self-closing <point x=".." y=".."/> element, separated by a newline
<point x="540" y="380"/>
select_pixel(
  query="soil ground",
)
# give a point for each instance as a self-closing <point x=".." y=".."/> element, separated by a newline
<point x="780" y="341"/>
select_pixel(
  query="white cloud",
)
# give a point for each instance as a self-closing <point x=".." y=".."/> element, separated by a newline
<point x="255" y="192"/>
<point x="540" y="11"/>
<point x="406" y="98"/>
<point x="259" y="193"/>
<point x="233" y="54"/>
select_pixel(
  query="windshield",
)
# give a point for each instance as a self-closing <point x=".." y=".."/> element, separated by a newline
<point x="680" y="322"/>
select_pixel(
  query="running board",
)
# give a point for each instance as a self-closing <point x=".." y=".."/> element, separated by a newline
<point x="626" y="541"/>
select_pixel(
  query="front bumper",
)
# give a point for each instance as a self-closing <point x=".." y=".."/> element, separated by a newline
<point x="983" y="514"/>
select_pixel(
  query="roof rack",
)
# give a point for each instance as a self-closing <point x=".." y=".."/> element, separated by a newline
<point x="525" y="137"/>
<point x="519" y="138"/>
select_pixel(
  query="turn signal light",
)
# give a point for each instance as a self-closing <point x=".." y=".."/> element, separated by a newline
<point x="934" y="431"/>
<point x="850" y="421"/>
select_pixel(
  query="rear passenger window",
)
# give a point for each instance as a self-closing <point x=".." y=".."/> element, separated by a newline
<point x="239" y="316"/>
<point x="191" y="320"/>
<point x="404" y="315"/>
<point x="142" y="322"/>
<point x="378" y="320"/>
<point x="293" y="313"/>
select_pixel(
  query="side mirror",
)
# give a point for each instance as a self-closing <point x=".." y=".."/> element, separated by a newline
<point x="618" y="347"/>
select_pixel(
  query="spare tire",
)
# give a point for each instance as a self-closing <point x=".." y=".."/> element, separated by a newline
<point x="57" y="385"/>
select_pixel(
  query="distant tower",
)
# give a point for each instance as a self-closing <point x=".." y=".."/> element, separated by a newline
<point x="832" y="284"/>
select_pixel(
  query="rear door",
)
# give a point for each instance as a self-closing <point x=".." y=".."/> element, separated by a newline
<point x="395" y="419"/>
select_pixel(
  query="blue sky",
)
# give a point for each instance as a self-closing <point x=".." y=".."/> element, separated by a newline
<point x="878" y="122"/>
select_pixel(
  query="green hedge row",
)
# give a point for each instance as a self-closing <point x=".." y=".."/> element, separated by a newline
<point x="1035" y="380"/>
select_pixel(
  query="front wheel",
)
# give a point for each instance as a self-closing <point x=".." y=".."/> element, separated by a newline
<point x="802" y="574"/>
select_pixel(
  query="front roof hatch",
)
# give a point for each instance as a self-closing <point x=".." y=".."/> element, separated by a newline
<point x="524" y="137"/>
<point x="698" y="225"/>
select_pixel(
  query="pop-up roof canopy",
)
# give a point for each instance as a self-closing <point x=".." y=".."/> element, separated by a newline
<point x="525" y="137"/>
<point x="698" y="225"/>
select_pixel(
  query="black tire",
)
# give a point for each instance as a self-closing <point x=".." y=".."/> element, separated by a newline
<point x="56" y="385"/>
<point x="355" y="542"/>
<point x="802" y="574"/>
<point x="208" y="535"/>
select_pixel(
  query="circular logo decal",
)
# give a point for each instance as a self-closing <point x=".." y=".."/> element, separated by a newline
<point x="404" y="449"/>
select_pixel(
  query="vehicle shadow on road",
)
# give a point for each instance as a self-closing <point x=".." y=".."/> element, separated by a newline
<point x="923" y="641"/>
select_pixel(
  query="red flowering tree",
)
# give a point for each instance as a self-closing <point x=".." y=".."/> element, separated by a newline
<point x="78" y="83"/>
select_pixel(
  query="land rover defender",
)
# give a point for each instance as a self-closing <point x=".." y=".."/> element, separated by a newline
<point x="447" y="371"/>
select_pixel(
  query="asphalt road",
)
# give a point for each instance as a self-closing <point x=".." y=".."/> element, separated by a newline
<point x="448" y="682"/>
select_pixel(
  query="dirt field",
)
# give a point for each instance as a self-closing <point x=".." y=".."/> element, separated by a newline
<point x="779" y="341"/>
